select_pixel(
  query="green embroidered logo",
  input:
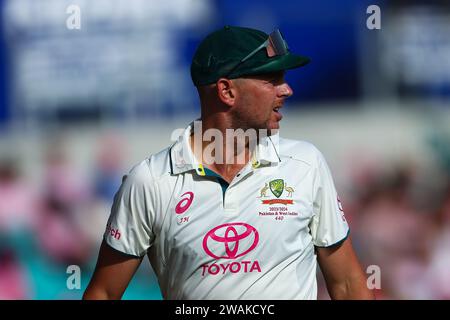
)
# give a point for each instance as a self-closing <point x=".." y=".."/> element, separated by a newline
<point x="277" y="187"/>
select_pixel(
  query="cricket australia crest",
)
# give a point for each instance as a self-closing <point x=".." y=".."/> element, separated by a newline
<point x="277" y="187"/>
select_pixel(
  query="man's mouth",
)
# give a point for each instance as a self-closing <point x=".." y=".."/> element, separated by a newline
<point x="278" y="114"/>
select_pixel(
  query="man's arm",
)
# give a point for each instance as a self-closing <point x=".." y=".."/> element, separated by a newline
<point x="112" y="274"/>
<point x="342" y="272"/>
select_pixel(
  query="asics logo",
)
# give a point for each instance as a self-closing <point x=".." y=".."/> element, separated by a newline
<point x="185" y="202"/>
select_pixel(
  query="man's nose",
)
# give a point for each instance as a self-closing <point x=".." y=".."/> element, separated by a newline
<point x="285" y="90"/>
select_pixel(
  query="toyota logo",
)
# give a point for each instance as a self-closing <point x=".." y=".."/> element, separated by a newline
<point x="230" y="240"/>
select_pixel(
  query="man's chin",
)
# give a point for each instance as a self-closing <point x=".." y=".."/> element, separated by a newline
<point x="273" y="127"/>
<point x="273" y="130"/>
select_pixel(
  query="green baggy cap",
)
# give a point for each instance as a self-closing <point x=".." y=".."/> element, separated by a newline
<point x="221" y="53"/>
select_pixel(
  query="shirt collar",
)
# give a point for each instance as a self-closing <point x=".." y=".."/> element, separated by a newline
<point x="182" y="158"/>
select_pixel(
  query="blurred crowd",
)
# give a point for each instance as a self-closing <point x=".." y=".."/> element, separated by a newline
<point x="399" y="214"/>
<point x="399" y="217"/>
<point x="47" y="226"/>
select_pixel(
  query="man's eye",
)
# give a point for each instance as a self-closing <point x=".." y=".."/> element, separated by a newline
<point x="276" y="81"/>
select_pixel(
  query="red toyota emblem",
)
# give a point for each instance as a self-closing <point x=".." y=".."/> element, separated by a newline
<point x="230" y="240"/>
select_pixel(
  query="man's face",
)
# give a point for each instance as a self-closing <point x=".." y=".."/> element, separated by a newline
<point x="259" y="99"/>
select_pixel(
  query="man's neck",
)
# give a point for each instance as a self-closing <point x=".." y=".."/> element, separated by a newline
<point x="225" y="156"/>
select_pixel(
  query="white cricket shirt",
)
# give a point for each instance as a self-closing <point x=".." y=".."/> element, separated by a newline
<point x="251" y="239"/>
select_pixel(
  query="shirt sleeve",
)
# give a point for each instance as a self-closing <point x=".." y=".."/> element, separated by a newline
<point x="129" y="227"/>
<point x="328" y="226"/>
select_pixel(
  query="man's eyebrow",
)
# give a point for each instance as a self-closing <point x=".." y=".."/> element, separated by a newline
<point x="278" y="74"/>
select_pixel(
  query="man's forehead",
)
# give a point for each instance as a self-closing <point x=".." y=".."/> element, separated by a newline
<point x="260" y="76"/>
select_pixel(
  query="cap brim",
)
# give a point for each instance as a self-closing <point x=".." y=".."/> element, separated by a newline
<point x="286" y="62"/>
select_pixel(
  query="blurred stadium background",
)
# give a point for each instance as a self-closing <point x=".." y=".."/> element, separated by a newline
<point x="79" y="107"/>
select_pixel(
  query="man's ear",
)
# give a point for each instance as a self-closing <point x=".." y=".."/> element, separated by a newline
<point x="227" y="91"/>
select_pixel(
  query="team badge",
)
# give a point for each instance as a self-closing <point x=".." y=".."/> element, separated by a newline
<point x="275" y="195"/>
<point x="277" y="187"/>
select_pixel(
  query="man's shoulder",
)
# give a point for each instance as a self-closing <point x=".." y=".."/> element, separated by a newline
<point x="152" y="168"/>
<point x="299" y="150"/>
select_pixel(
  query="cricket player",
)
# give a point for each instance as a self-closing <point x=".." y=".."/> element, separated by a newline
<point x="225" y="213"/>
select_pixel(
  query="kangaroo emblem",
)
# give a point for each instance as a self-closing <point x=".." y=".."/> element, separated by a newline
<point x="263" y="191"/>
